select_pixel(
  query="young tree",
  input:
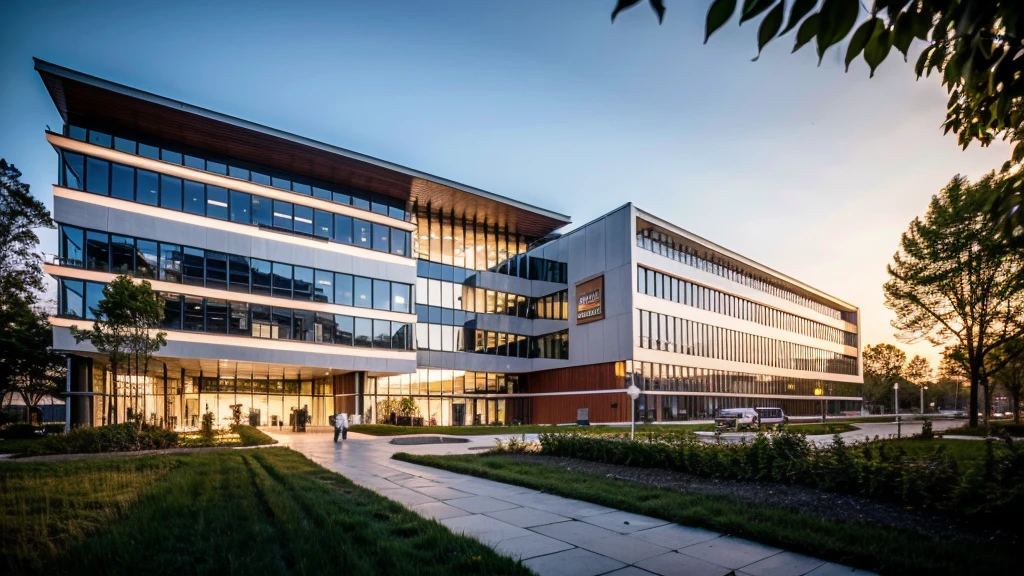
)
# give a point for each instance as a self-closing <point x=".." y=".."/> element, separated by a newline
<point x="33" y="369"/>
<point x="126" y="331"/>
<point x="883" y="366"/>
<point x="1011" y="376"/>
<point x="973" y="46"/>
<point x="955" y="281"/>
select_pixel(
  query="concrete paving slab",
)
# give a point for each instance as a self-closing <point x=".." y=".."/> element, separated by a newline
<point x="674" y="536"/>
<point x="481" y="504"/>
<point x="557" y="505"/>
<point x="783" y="564"/>
<point x="832" y="569"/>
<point x="624" y="549"/>
<point x="575" y="562"/>
<point x="527" y="517"/>
<point x="730" y="552"/>
<point x="630" y="571"/>
<point x="485" y="529"/>
<point x="623" y="522"/>
<point x="405" y="496"/>
<point x="675" y="564"/>
<point x="574" y="532"/>
<point x="438" y="492"/>
<point x="439" y="511"/>
<point x="531" y="546"/>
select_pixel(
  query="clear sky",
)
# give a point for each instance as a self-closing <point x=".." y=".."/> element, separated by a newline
<point x="803" y="168"/>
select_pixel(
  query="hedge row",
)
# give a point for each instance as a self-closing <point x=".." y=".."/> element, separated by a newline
<point x="990" y="488"/>
<point x="111" y="438"/>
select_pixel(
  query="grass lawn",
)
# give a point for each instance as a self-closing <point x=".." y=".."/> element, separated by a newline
<point x="246" y="512"/>
<point x="863" y="545"/>
<point x="389" y="430"/>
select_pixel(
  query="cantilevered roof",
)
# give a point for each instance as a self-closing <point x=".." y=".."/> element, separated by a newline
<point x="102" y="104"/>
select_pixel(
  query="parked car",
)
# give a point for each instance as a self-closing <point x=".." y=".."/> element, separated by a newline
<point x="771" y="416"/>
<point x="736" y="419"/>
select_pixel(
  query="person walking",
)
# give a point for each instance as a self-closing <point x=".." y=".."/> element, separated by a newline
<point x="340" y="426"/>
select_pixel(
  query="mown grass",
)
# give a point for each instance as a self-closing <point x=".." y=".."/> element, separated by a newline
<point x="389" y="430"/>
<point x="869" y="546"/>
<point x="226" y="512"/>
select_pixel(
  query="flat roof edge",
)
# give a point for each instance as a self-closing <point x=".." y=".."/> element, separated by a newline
<point x="725" y="251"/>
<point x="43" y="66"/>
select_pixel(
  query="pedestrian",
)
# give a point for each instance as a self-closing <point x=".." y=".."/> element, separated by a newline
<point x="340" y="426"/>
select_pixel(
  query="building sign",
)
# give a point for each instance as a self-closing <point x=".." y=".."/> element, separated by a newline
<point x="590" y="300"/>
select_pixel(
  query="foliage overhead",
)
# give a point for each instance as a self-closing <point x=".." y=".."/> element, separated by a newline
<point x="21" y="272"/>
<point x="975" y="48"/>
<point x="955" y="280"/>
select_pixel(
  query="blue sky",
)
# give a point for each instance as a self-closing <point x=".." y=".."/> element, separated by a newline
<point x="803" y="168"/>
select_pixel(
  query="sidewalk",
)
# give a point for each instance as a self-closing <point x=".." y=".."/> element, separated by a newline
<point x="554" y="536"/>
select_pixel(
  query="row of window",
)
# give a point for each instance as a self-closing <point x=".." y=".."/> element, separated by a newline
<point x="347" y="196"/>
<point x="682" y="336"/>
<point x="170" y="192"/>
<point x="469" y="339"/>
<point x="149" y="259"/>
<point x="655" y="377"/>
<point x="436" y="382"/>
<point x="482" y="301"/>
<point x="707" y="261"/>
<point x="446" y="240"/>
<point x="661" y="285"/>
<point x="206" y="384"/>
<point x="80" y="299"/>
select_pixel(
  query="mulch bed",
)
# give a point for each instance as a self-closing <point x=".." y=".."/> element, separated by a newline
<point x="823" y="505"/>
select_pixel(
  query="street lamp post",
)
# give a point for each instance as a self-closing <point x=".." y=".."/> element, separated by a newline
<point x="633" y="393"/>
<point x="896" y="407"/>
<point x="821" y="392"/>
<point x="923" y="388"/>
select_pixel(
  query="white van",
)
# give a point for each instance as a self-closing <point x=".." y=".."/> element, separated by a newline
<point x="771" y="416"/>
<point x="736" y="418"/>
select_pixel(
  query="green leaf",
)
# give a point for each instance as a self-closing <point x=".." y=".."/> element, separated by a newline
<point x="860" y="38"/>
<point x="797" y="12"/>
<point x="622" y="5"/>
<point x="807" y="31"/>
<point x="920" y="22"/>
<point x="903" y="34"/>
<point x="770" y="26"/>
<point x="877" y="47"/>
<point x="752" y="8"/>
<point x="837" y="19"/>
<point x="718" y="14"/>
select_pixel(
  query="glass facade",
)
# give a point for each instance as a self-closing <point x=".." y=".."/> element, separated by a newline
<point x="682" y="336"/>
<point x="445" y="397"/>
<point x="201" y="160"/>
<point x="650" y="238"/>
<point x="703" y="392"/>
<point x="142" y="186"/>
<point x="666" y="287"/>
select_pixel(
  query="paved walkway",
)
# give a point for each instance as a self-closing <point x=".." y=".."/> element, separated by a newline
<point x="552" y="535"/>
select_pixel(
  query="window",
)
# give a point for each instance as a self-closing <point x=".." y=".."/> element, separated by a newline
<point x="74" y="171"/>
<point x="240" y="207"/>
<point x="303" y="283"/>
<point x="282" y="280"/>
<point x="238" y="273"/>
<point x="381" y="238"/>
<point x="72" y="245"/>
<point x="282" y="215"/>
<point x="97" y="251"/>
<point x="147" y="186"/>
<point x="216" y="270"/>
<point x="343" y="330"/>
<point x="170" y="192"/>
<point x="399" y="297"/>
<point x="147" y="151"/>
<point x="147" y="261"/>
<point x="72" y="298"/>
<point x="238" y="324"/>
<point x="363" y="332"/>
<point x="193" y="266"/>
<point x="303" y="219"/>
<point x="195" y="198"/>
<point x="283" y="323"/>
<point x="400" y="242"/>
<point x="261" y="276"/>
<point x="381" y="295"/>
<point x="217" y="202"/>
<point x="97" y="176"/>
<point x="363" y="292"/>
<point x="302" y="325"/>
<point x="400" y="336"/>
<point x="322" y="221"/>
<point x="216" y="316"/>
<point x="343" y="289"/>
<point x="262" y="211"/>
<point x="172" y="311"/>
<point x="193" y="162"/>
<point x="193" y="314"/>
<point x="170" y="156"/>
<point x="342" y="229"/>
<point x="122" y="182"/>
<point x="362" y="234"/>
<point x="323" y="286"/>
<point x="262" y="322"/>
<point x="170" y="262"/>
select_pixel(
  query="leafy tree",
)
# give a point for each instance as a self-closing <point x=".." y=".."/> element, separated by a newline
<point x="974" y="47"/>
<point x="32" y="368"/>
<point x="25" y="357"/>
<point x="955" y="281"/>
<point x="1011" y="376"/>
<point x="884" y="366"/>
<point x="128" y="317"/>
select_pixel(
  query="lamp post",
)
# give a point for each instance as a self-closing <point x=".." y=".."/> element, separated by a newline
<point x="896" y="407"/>
<point x="923" y="388"/>
<point x="633" y="393"/>
<point x="819" y="391"/>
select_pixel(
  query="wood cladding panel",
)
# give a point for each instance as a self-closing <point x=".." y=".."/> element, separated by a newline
<point x="345" y="384"/>
<point x="562" y="409"/>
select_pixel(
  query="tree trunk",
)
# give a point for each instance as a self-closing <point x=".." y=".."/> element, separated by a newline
<point x="972" y="414"/>
<point x="1016" y="408"/>
<point x="113" y="381"/>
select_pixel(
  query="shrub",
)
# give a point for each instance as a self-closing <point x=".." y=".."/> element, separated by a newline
<point x="111" y="438"/>
<point x="21" y="432"/>
<point x="250" y="436"/>
<point x="514" y="446"/>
